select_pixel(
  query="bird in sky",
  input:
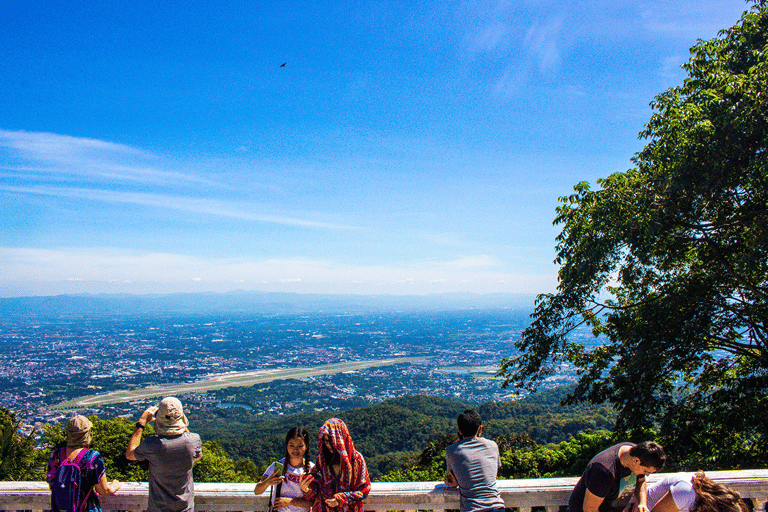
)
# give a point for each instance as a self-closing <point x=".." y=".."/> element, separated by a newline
<point x="283" y="64"/>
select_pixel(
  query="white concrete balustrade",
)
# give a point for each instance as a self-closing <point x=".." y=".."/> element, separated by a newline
<point x="549" y="494"/>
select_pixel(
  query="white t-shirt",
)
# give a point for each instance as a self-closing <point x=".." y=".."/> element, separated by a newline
<point x="679" y="485"/>
<point x="290" y="487"/>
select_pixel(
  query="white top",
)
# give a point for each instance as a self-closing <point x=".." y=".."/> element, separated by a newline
<point x="679" y="485"/>
<point x="290" y="487"/>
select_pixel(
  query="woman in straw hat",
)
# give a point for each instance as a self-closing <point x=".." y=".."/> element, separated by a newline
<point x="93" y="474"/>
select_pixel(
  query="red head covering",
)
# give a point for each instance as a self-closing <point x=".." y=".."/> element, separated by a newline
<point x="352" y="484"/>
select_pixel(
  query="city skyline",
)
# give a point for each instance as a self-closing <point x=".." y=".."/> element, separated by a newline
<point x="401" y="149"/>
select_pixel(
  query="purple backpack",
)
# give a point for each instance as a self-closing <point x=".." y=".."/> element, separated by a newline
<point x="65" y="482"/>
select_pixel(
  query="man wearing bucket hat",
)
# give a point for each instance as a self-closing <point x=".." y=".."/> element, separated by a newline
<point x="170" y="454"/>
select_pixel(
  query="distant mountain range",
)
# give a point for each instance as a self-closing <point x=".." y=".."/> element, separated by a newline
<point x="250" y="302"/>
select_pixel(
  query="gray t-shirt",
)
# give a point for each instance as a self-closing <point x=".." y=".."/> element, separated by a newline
<point x="474" y="462"/>
<point x="170" y="471"/>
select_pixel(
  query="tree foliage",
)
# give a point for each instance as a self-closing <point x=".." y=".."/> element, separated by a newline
<point x="18" y="458"/>
<point x="217" y="466"/>
<point x="521" y="457"/>
<point x="390" y="434"/>
<point x="669" y="263"/>
<point x="524" y="458"/>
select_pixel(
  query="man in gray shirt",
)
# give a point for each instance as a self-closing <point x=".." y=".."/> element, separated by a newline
<point x="473" y="462"/>
<point x="171" y="455"/>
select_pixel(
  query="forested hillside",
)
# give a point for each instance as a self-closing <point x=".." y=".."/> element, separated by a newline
<point x="402" y="438"/>
<point x="397" y="430"/>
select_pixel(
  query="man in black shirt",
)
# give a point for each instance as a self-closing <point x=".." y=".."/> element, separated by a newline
<point x="601" y="482"/>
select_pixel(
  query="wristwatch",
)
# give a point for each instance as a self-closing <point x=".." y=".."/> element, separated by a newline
<point x="139" y="426"/>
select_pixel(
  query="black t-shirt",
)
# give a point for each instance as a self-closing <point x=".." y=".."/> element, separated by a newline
<point x="602" y="477"/>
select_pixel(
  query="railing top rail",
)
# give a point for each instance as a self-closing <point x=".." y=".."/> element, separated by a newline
<point x="522" y="493"/>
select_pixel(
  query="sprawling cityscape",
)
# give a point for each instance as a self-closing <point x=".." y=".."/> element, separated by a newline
<point x="266" y="364"/>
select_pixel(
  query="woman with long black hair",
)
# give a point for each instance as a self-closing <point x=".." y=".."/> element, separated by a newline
<point x="286" y="473"/>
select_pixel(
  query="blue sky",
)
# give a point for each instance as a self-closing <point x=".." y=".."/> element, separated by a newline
<point x="404" y="148"/>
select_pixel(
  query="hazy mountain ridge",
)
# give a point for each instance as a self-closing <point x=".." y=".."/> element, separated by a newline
<point x="247" y="302"/>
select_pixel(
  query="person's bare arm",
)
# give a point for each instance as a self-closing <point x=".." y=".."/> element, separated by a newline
<point x="450" y="480"/>
<point x="591" y="502"/>
<point x="641" y="494"/>
<point x="133" y="443"/>
<point x="105" y="488"/>
<point x="283" y="502"/>
<point x="267" y="480"/>
<point x="665" y="504"/>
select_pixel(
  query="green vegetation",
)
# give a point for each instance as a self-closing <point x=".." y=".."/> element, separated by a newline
<point x="400" y="438"/>
<point x="18" y="458"/>
<point x="521" y="457"/>
<point x="392" y="434"/>
<point x="669" y="263"/>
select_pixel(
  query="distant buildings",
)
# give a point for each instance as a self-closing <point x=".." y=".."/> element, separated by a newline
<point x="45" y="364"/>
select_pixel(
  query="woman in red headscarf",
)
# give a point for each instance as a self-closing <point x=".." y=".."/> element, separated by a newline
<point x="339" y="481"/>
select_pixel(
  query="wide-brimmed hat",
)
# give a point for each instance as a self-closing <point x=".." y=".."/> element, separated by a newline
<point x="169" y="418"/>
<point x="78" y="432"/>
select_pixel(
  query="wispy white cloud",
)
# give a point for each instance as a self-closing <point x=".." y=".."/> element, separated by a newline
<point x="467" y="262"/>
<point x="52" y="146"/>
<point x="687" y="20"/>
<point x="61" y="166"/>
<point x="514" y="42"/>
<point x="49" y="156"/>
<point x="230" y="209"/>
<point x="495" y="36"/>
<point x="542" y="42"/>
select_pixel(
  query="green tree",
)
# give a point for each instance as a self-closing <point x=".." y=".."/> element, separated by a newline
<point x="217" y="466"/>
<point x="523" y="458"/>
<point x="428" y="466"/>
<point x="110" y="438"/>
<point x="668" y="262"/>
<point x="248" y="469"/>
<point x="18" y="458"/>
